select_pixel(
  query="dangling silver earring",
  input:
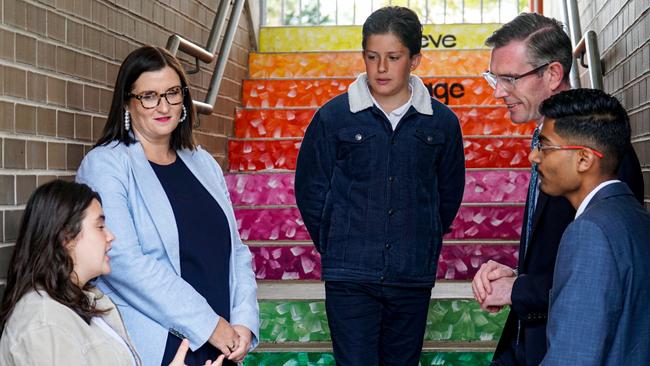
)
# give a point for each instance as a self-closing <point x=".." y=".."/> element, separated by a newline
<point x="184" y="115"/>
<point x="127" y="120"/>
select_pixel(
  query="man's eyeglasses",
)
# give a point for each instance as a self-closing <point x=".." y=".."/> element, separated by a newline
<point x="151" y="99"/>
<point x="541" y="147"/>
<point x="509" y="82"/>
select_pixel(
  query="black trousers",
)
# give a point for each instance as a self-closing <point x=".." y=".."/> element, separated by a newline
<point x="373" y="324"/>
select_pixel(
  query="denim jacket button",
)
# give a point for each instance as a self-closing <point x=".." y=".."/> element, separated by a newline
<point x="358" y="137"/>
<point x="429" y="138"/>
<point x="391" y="178"/>
<point x="390" y="212"/>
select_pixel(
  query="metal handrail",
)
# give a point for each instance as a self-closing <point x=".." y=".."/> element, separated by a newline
<point x="177" y="43"/>
<point x="583" y="45"/>
<point x="226" y="44"/>
<point x="588" y="46"/>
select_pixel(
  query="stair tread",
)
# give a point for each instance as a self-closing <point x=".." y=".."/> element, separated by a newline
<point x="306" y="290"/>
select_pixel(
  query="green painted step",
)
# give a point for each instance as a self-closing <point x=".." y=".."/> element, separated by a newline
<point x="448" y="320"/>
<point x="326" y="358"/>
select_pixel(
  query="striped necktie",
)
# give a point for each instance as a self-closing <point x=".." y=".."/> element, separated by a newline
<point x="532" y="195"/>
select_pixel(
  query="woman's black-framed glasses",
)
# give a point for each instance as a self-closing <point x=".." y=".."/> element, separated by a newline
<point x="151" y="99"/>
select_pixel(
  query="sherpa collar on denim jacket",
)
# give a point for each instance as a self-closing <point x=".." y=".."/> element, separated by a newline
<point x="360" y="98"/>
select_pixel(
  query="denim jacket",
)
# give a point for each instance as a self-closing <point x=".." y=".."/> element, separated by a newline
<point x="376" y="202"/>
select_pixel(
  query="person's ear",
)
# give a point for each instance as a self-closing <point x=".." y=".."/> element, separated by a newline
<point x="586" y="160"/>
<point x="555" y="72"/>
<point x="415" y="61"/>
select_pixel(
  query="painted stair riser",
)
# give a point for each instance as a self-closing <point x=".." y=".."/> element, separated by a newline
<point x="471" y="223"/>
<point x="348" y="38"/>
<point x="267" y="189"/>
<point x="315" y="92"/>
<point x="302" y="262"/>
<point x="350" y="64"/>
<point x="327" y="359"/>
<point x="255" y="155"/>
<point x="447" y="320"/>
<point x="279" y="123"/>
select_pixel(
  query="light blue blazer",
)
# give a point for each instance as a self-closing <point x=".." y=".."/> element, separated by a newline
<point x="599" y="300"/>
<point x="145" y="281"/>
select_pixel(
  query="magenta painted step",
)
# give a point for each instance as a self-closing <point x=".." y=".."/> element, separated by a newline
<point x="261" y="189"/>
<point x="505" y="186"/>
<point x="472" y="222"/>
<point x="277" y="189"/>
<point x="302" y="262"/>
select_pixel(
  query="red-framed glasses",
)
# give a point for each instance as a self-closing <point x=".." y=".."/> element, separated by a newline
<point x="541" y="147"/>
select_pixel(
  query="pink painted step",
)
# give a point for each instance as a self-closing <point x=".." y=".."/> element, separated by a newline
<point x="302" y="262"/>
<point x="472" y="223"/>
<point x="266" y="189"/>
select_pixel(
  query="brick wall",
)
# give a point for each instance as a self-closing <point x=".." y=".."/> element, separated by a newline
<point x="623" y="29"/>
<point x="58" y="62"/>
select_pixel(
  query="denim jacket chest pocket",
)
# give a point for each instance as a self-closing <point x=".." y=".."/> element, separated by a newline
<point x="356" y="151"/>
<point x="428" y="147"/>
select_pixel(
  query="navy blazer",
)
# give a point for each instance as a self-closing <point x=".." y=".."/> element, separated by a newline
<point x="598" y="310"/>
<point x="530" y="292"/>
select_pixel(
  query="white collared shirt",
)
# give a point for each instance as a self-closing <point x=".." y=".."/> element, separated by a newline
<point x="396" y="115"/>
<point x="585" y="202"/>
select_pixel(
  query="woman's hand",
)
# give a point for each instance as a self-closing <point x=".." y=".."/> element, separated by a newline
<point x="245" y="338"/>
<point x="224" y="338"/>
<point x="179" y="358"/>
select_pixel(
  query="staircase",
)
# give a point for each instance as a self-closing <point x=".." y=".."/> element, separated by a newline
<point x="298" y="70"/>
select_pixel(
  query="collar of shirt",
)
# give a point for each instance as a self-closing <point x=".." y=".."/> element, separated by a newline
<point x="396" y="115"/>
<point x="585" y="202"/>
<point x="360" y="97"/>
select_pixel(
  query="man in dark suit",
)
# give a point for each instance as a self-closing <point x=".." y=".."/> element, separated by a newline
<point x="531" y="59"/>
<point x="598" y="303"/>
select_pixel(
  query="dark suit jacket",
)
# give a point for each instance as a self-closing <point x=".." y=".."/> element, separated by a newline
<point x="530" y="292"/>
<point x="598" y="304"/>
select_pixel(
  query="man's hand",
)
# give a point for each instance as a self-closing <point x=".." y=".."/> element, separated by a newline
<point x="489" y="271"/>
<point x="500" y="296"/>
<point x="245" y="338"/>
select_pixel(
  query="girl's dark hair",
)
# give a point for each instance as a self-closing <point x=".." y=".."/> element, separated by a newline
<point x="144" y="59"/>
<point x="398" y="20"/>
<point x="40" y="260"/>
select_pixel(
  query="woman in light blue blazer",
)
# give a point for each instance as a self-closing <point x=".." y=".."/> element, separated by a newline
<point x="180" y="269"/>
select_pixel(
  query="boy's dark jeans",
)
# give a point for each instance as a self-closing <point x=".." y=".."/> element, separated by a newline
<point x="372" y="324"/>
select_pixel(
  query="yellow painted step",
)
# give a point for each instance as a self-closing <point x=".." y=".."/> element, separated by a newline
<point x="348" y="38"/>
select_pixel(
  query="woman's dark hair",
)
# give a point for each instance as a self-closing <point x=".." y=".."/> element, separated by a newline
<point x="397" y="20"/>
<point x="40" y="260"/>
<point x="144" y="59"/>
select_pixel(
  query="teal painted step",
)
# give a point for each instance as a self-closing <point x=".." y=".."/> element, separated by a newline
<point x="326" y="359"/>
<point x="448" y="320"/>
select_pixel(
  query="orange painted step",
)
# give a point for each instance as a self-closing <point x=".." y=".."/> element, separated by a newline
<point x="282" y="123"/>
<point x="280" y="93"/>
<point x="350" y="64"/>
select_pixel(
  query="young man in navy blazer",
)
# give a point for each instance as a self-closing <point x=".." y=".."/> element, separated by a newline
<point x="598" y="303"/>
<point x="531" y="59"/>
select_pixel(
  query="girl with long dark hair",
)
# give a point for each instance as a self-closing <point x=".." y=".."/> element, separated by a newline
<point x="51" y="313"/>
